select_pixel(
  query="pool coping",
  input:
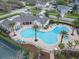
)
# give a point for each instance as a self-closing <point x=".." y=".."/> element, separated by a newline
<point x="40" y="43"/>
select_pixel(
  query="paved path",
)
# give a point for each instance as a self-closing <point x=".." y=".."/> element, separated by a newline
<point x="52" y="55"/>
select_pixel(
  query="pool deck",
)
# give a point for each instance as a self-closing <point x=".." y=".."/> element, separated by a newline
<point x="40" y="43"/>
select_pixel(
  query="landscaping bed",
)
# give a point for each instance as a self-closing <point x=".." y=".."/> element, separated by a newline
<point x="66" y="54"/>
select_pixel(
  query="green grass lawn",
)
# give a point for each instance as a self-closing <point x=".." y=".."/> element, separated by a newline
<point x="2" y="13"/>
<point x="35" y="10"/>
<point x="62" y="2"/>
<point x="72" y="15"/>
<point x="1" y="18"/>
<point x="53" y="13"/>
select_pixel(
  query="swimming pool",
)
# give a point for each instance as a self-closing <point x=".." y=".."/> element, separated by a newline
<point x="49" y="37"/>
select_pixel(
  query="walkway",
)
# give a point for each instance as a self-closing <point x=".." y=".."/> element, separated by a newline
<point x="52" y="55"/>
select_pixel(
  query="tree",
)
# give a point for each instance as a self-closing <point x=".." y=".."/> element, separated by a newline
<point x="63" y="34"/>
<point x="46" y="14"/>
<point x="17" y="2"/>
<point x="75" y="24"/>
<point x="31" y="55"/>
<point x="69" y="44"/>
<point x="7" y="7"/>
<point x="35" y="28"/>
<point x="20" y="54"/>
<point x="74" y="9"/>
<point x="76" y="43"/>
<point x="12" y="27"/>
<point x="62" y="56"/>
<point x="61" y="45"/>
<point x="62" y="2"/>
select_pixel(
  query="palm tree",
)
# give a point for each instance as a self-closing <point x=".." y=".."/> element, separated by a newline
<point x="7" y="7"/>
<point x="63" y="34"/>
<point x="20" y="54"/>
<point x="75" y="24"/>
<point x="69" y="44"/>
<point x="32" y="55"/>
<point x="12" y="27"/>
<point x="46" y="14"/>
<point x="35" y="28"/>
<point x="38" y="53"/>
<point x="76" y="43"/>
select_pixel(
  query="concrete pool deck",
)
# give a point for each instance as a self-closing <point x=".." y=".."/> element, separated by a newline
<point x="40" y="43"/>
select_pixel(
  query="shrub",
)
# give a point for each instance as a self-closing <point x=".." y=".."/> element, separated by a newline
<point x="46" y="27"/>
<point x="61" y="45"/>
<point x="62" y="57"/>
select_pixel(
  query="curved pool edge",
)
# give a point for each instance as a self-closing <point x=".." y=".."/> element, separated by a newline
<point x="44" y="46"/>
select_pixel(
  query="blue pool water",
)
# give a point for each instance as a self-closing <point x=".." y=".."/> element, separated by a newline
<point x="49" y="37"/>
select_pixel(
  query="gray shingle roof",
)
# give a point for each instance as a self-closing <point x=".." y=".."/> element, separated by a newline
<point x="29" y="18"/>
<point x="6" y="23"/>
<point x="25" y="18"/>
<point x="77" y="2"/>
<point x="63" y="9"/>
<point x="42" y="20"/>
<point x="41" y="3"/>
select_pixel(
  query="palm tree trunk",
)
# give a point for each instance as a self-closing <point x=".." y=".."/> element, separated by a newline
<point x="14" y="31"/>
<point x="35" y="34"/>
<point x="72" y="32"/>
<point x="62" y="38"/>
